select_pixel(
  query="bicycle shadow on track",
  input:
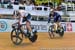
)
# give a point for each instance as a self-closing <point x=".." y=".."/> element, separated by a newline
<point x="25" y="44"/>
<point x="22" y="45"/>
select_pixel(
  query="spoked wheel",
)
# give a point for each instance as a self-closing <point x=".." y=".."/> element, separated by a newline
<point x="50" y="32"/>
<point x="51" y="35"/>
<point x="16" y="37"/>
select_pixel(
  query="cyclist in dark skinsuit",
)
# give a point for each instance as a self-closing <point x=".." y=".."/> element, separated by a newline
<point x="55" y="17"/>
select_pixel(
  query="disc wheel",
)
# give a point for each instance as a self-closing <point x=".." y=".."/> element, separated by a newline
<point x="61" y="32"/>
<point x="33" y="39"/>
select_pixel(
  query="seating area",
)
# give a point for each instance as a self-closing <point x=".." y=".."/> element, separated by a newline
<point x="66" y="9"/>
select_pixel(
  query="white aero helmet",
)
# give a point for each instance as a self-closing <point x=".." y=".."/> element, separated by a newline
<point x="23" y="13"/>
<point x="21" y="10"/>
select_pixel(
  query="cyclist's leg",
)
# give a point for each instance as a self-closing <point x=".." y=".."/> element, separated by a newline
<point x="59" y="25"/>
<point x="29" y="27"/>
<point x="55" y="26"/>
<point x="28" y="23"/>
<point x="21" y="23"/>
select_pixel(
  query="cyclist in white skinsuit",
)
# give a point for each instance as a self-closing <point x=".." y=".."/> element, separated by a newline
<point x="25" y="18"/>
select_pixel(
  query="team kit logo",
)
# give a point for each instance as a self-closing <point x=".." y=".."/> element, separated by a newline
<point x="67" y="26"/>
<point x="3" y="25"/>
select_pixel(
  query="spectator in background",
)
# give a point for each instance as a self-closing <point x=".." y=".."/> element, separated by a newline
<point x="49" y="4"/>
<point x="42" y="4"/>
<point x="21" y="2"/>
<point x="10" y="6"/>
<point x="28" y="2"/>
<point x="16" y="2"/>
<point x="6" y="1"/>
<point x="0" y="1"/>
<point x="2" y="5"/>
<point x="1" y="16"/>
<point x="31" y="3"/>
<point x="12" y="1"/>
<point x="25" y="3"/>
<point x="60" y="7"/>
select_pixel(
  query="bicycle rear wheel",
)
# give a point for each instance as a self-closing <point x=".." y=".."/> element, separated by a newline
<point x="61" y="32"/>
<point x="34" y="38"/>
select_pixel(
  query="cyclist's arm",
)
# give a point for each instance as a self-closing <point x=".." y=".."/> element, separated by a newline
<point x="49" y="18"/>
<point x="16" y="14"/>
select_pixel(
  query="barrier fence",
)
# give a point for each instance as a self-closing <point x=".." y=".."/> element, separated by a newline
<point x="40" y="26"/>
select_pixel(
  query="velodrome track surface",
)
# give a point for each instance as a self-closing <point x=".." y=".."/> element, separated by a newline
<point x="43" y="42"/>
